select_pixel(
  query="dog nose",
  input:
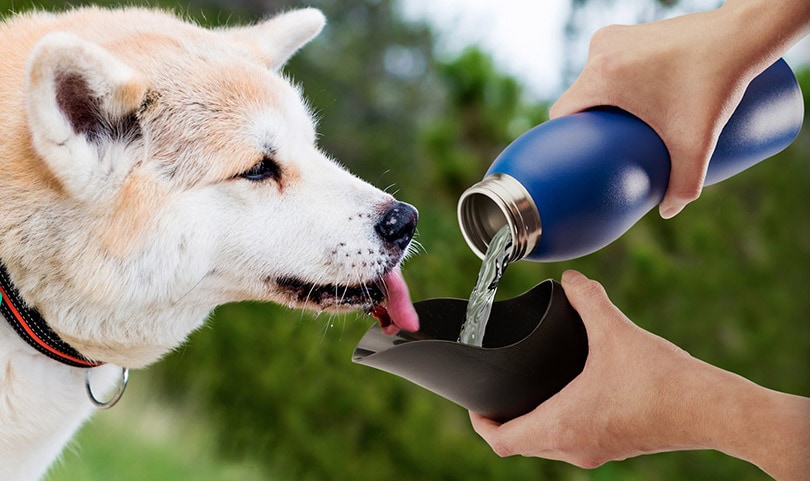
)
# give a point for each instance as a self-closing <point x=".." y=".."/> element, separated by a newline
<point x="398" y="224"/>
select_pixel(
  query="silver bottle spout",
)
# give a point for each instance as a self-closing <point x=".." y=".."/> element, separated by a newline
<point x="492" y="203"/>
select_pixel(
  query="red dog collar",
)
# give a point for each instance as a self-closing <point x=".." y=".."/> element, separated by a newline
<point x="30" y="325"/>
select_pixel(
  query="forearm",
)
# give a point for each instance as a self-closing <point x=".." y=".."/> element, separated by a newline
<point x="774" y="433"/>
<point x="742" y="419"/>
<point x="640" y="394"/>
<point x="763" y="30"/>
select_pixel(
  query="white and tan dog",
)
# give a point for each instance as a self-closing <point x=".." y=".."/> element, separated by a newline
<point x="152" y="170"/>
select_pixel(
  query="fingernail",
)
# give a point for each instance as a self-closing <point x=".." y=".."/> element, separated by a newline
<point x="669" y="211"/>
<point x="572" y="276"/>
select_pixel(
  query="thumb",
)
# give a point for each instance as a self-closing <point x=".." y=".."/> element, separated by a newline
<point x="588" y="298"/>
<point x="581" y="291"/>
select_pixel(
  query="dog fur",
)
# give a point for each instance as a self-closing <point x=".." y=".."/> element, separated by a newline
<point x="127" y="212"/>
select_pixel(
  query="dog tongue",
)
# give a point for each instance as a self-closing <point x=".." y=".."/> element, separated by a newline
<point x="398" y="312"/>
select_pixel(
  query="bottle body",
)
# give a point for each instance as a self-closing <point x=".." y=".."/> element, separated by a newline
<point x="572" y="185"/>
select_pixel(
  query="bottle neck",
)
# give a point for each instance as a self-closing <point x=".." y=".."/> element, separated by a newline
<point x="492" y="203"/>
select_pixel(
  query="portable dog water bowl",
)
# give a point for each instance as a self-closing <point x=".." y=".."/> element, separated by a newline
<point x="534" y="345"/>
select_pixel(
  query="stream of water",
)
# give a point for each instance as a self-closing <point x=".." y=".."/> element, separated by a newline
<point x="483" y="295"/>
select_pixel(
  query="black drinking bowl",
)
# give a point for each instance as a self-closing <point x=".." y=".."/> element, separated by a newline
<point x="534" y="345"/>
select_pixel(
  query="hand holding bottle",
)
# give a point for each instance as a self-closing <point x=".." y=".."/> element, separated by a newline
<point x="685" y="76"/>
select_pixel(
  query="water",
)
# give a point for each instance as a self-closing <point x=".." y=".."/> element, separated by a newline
<point x="483" y="295"/>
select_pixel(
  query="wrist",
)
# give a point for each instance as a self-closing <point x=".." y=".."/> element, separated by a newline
<point x="772" y="431"/>
<point x="705" y="409"/>
<point x="730" y="414"/>
<point x="765" y="29"/>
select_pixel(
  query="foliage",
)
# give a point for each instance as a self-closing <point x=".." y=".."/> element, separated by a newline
<point x="725" y="279"/>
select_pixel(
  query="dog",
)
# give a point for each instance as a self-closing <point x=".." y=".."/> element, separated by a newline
<point x="153" y="169"/>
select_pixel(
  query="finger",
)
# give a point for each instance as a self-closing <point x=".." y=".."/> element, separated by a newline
<point x="525" y="435"/>
<point x="491" y="432"/>
<point x="586" y="295"/>
<point x="683" y="188"/>
<point x="687" y="174"/>
<point x="572" y="277"/>
<point x="589" y="299"/>
<point x="579" y="96"/>
<point x="483" y="426"/>
<point x="565" y="105"/>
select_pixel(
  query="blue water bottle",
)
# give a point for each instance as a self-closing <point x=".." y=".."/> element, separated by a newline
<point x="572" y="185"/>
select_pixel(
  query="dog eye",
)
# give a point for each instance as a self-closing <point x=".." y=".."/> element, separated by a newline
<point x="267" y="168"/>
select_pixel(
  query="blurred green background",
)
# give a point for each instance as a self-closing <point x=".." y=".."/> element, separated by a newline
<point x="263" y="392"/>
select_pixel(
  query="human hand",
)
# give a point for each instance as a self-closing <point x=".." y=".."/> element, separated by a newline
<point x="624" y="403"/>
<point x="671" y="75"/>
<point x="640" y="394"/>
<point x="685" y="77"/>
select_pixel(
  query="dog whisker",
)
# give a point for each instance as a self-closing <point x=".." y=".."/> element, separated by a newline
<point x="414" y="248"/>
<point x="191" y="289"/>
<point x="382" y="287"/>
<point x="383" y="174"/>
<point x="364" y="287"/>
<point x="325" y="329"/>
<point x="309" y="294"/>
<point x="367" y="293"/>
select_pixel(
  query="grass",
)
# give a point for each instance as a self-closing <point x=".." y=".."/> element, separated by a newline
<point x="144" y="439"/>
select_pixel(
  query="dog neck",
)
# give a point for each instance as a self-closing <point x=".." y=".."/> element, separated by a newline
<point x="42" y="404"/>
<point x="33" y="329"/>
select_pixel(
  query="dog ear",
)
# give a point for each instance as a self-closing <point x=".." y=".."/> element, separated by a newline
<point x="78" y="95"/>
<point x="281" y="36"/>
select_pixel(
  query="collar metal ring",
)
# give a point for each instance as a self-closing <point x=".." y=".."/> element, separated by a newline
<point x="122" y="385"/>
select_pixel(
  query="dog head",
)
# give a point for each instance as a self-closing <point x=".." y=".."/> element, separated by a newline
<point x="179" y="170"/>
